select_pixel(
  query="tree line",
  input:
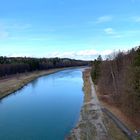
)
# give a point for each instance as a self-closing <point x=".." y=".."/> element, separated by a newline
<point x="14" y="65"/>
<point x="118" y="80"/>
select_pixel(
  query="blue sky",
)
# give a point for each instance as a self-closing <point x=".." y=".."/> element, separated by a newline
<point x="79" y="29"/>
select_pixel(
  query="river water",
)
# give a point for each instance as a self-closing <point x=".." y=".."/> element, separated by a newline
<point x="46" y="109"/>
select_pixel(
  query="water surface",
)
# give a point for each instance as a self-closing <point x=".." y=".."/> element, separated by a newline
<point x="46" y="109"/>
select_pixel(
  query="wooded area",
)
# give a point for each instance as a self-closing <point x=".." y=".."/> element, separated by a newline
<point x="14" y="65"/>
<point x="118" y="80"/>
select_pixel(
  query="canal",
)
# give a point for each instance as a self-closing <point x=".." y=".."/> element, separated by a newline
<point x="46" y="109"/>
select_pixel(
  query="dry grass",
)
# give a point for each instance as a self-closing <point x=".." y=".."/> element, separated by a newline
<point x="132" y="125"/>
<point x="113" y="130"/>
<point x="12" y="84"/>
<point x="87" y="86"/>
<point x="120" y="115"/>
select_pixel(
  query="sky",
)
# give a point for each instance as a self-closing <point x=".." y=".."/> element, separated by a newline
<point x="80" y="29"/>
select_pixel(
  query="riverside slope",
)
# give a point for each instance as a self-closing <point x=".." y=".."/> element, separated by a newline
<point x="91" y="125"/>
<point x="15" y="82"/>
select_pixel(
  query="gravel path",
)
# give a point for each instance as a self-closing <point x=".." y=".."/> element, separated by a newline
<point x="90" y="125"/>
<point x="97" y="118"/>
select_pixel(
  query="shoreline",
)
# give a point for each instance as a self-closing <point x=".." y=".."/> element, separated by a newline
<point x="93" y="122"/>
<point x="16" y="82"/>
<point x="90" y="124"/>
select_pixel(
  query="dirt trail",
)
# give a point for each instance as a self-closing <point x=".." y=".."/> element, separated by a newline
<point x="120" y="124"/>
<point x="98" y="120"/>
<point x="90" y="126"/>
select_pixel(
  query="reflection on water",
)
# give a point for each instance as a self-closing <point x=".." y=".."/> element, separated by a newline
<point x="34" y="83"/>
<point x="46" y="109"/>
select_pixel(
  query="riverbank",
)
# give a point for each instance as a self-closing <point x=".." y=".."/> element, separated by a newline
<point x="15" y="82"/>
<point x="93" y="123"/>
<point x="90" y="125"/>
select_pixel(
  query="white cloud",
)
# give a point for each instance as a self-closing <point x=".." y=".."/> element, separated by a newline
<point x="109" y="31"/>
<point x="9" y="28"/>
<point x="82" y="54"/>
<point x="104" y="19"/>
<point x="3" y="33"/>
<point x="90" y="54"/>
<point x="6" y="29"/>
<point x="19" y="55"/>
<point x="136" y="19"/>
<point x="18" y="26"/>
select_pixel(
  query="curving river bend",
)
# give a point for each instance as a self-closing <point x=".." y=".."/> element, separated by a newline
<point x="46" y="109"/>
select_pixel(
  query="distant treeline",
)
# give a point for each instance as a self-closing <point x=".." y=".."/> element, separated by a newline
<point x="14" y="65"/>
<point x="118" y="80"/>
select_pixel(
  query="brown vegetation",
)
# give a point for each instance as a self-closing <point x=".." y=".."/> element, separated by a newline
<point x="119" y="82"/>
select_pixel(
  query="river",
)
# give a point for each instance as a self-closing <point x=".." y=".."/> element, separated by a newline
<point x="46" y="109"/>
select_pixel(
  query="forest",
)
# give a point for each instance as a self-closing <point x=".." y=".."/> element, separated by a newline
<point x="118" y="80"/>
<point x="14" y="65"/>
